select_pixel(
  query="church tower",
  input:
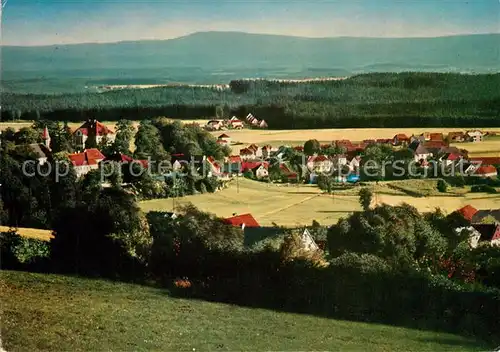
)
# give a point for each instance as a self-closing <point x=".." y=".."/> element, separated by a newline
<point x="46" y="137"/>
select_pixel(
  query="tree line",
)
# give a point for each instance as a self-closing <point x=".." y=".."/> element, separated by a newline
<point x="369" y="100"/>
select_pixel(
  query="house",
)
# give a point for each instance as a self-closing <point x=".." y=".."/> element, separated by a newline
<point x="426" y="136"/>
<point x="420" y="139"/>
<point x="474" y="136"/>
<point x="384" y="141"/>
<point x="250" y="118"/>
<point x="482" y="233"/>
<point x="214" y="125"/>
<point x="436" y="137"/>
<point x="290" y="175"/>
<point x="261" y="171"/>
<point x="96" y="128"/>
<point x="214" y="167"/>
<point x="485" y="171"/>
<point x="481" y="215"/>
<point x="450" y="158"/>
<point x="263" y="124"/>
<point x="456" y="137"/>
<point x="400" y="139"/>
<point x="233" y="165"/>
<point x="467" y="212"/>
<point x="243" y="221"/>
<point x="355" y="163"/>
<point x="420" y="153"/>
<point x="86" y="161"/>
<point x="339" y="160"/>
<point x="224" y="137"/>
<point x="236" y="124"/>
<point x="221" y="142"/>
<point x="266" y="151"/>
<point x="247" y="153"/>
<point x="255" y="235"/>
<point x="319" y="164"/>
<point x="308" y="242"/>
<point x="257" y="151"/>
<point x="39" y="151"/>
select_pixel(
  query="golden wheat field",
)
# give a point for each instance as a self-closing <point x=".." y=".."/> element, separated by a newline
<point x="44" y="235"/>
<point x="299" y="205"/>
<point x="297" y="137"/>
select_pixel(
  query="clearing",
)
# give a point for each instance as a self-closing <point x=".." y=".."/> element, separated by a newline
<point x="58" y="313"/>
<point x="299" y="205"/>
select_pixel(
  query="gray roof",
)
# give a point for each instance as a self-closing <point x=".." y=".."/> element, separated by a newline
<point x="40" y="150"/>
<point x="482" y="214"/>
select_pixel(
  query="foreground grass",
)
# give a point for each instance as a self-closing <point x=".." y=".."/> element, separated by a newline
<point x="50" y="312"/>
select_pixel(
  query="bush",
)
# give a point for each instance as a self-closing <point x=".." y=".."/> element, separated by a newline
<point x="19" y="252"/>
<point x="442" y="186"/>
<point x="483" y="188"/>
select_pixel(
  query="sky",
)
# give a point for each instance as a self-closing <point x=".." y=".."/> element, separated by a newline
<point x="45" y="22"/>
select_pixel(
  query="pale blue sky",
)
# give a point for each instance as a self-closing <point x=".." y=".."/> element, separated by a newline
<point x="40" y="22"/>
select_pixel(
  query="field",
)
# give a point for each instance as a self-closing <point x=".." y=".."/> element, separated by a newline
<point x="38" y="234"/>
<point x="298" y="137"/>
<point x="57" y="313"/>
<point x="299" y="205"/>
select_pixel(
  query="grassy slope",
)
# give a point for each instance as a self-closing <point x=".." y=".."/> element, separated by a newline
<point x="49" y="312"/>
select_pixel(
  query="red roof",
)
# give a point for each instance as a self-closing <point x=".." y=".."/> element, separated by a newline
<point x="250" y="165"/>
<point x="246" y="151"/>
<point x="436" y="137"/>
<point x="467" y="212"/>
<point x="245" y="219"/>
<point x="402" y="136"/>
<point x="235" y="159"/>
<point x="434" y="144"/>
<point x="45" y="133"/>
<point x="453" y="157"/>
<point x="318" y="158"/>
<point x="101" y="129"/>
<point x="299" y="148"/>
<point x="224" y="136"/>
<point x="484" y="170"/>
<point x="88" y="157"/>
<point x="486" y="160"/>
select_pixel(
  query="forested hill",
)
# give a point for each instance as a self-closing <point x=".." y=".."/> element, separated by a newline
<point x="370" y="100"/>
<point x="216" y="57"/>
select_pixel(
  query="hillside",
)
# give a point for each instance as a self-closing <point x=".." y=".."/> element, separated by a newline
<point x="50" y="312"/>
<point x="216" y="57"/>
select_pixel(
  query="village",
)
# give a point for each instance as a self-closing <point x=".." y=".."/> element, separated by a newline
<point x="340" y="161"/>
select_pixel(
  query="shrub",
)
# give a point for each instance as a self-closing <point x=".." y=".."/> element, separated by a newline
<point x="483" y="188"/>
<point x="17" y="251"/>
<point x="442" y="186"/>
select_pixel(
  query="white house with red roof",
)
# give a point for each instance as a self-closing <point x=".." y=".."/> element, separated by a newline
<point x="224" y="139"/>
<point x="319" y="164"/>
<point x="100" y="130"/>
<point x="236" y="123"/>
<point x="247" y="153"/>
<point x="86" y="161"/>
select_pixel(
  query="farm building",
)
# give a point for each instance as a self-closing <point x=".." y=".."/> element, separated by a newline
<point x="475" y="136"/>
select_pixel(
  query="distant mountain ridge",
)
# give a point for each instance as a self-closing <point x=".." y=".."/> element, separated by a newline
<point x="217" y="57"/>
